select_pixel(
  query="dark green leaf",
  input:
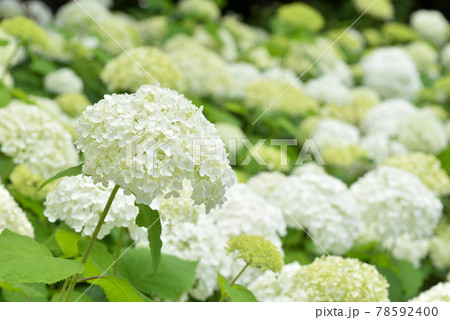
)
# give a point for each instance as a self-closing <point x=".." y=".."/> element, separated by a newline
<point x="173" y="278"/>
<point x="23" y="260"/>
<point x="149" y="218"/>
<point x="74" y="171"/>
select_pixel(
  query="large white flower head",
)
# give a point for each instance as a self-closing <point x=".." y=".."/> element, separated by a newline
<point x="386" y="117"/>
<point x="79" y="203"/>
<point x="73" y="16"/>
<point x="11" y="215"/>
<point x="425" y="57"/>
<point x="242" y="74"/>
<point x="431" y="24"/>
<point x="11" y="8"/>
<point x="324" y="206"/>
<point x="204" y="71"/>
<point x="40" y="12"/>
<point x="438" y="293"/>
<point x="30" y="135"/>
<point x="426" y="167"/>
<point x="200" y="9"/>
<point x="283" y="287"/>
<point x="63" y="80"/>
<point x="392" y="72"/>
<point x="335" y="134"/>
<point x="396" y="207"/>
<point x="380" y="146"/>
<point x="149" y="142"/>
<point x="337" y="279"/>
<point x="329" y="89"/>
<point x="265" y="183"/>
<point x="423" y="131"/>
<point x="138" y="66"/>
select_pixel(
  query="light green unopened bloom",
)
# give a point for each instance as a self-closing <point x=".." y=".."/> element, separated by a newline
<point x="396" y="32"/>
<point x="26" y="30"/>
<point x="263" y="93"/>
<point x="426" y="167"/>
<point x="142" y="65"/>
<point x="27" y="183"/>
<point x="381" y="9"/>
<point x="298" y="16"/>
<point x="337" y="279"/>
<point x="351" y="41"/>
<point x="200" y="9"/>
<point x="440" y="246"/>
<point x="275" y="158"/>
<point x="257" y="252"/>
<point x="73" y="104"/>
<point x="373" y="37"/>
<point x="343" y="156"/>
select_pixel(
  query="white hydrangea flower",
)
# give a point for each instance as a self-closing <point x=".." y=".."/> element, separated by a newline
<point x="30" y="135"/>
<point x="11" y="215"/>
<point x="284" y="74"/>
<point x="242" y="74"/>
<point x="204" y="71"/>
<point x="335" y="134"/>
<point x="149" y="142"/>
<point x="283" y="287"/>
<point x="190" y="235"/>
<point x="392" y="73"/>
<point x="329" y="89"/>
<point x="379" y="146"/>
<point x="201" y="9"/>
<point x="40" y="12"/>
<point x="63" y="80"/>
<point x="11" y="8"/>
<point x="410" y="250"/>
<point x="438" y="293"/>
<point x="423" y="131"/>
<point x="324" y="206"/>
<point x="265" y="183"/>
<point x="425" y="57"/>
<point x="79" y="203"/>
<point x="309" y="167"/>
<point x="72" y="15"/>
<point x="386" y="117"/>
<point x="430" y="24"/>
<point x="445" y="57"/>
<point x="396" y="207"/>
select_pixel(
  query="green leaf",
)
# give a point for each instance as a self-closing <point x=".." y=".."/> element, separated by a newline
<point x="444" y="157"/>
<point x="412" y="278"/>
<point x="36" y="292"/>
<point x="74" y="171"/>
<point x="68" y="242"/>
<point x="236" y="292"/>
<point x="42" y="67"/>
<point x="23" y="260"/>
<point x="3" y="42"/>
<point x="99" y="257"/>
<point x="5" y="96"/>
<point x="6" y="167"/>
<point x="173" y="278"/>
<point x="149" y="218"/>
<point x="116" y="290"/>
<point x="77" y="295"/>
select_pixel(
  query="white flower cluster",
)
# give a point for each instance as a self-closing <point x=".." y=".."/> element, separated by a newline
<point x="242" y="74"/>
<point x="73" y="15"/>
<point x="329" y="89"/>
<point x="79" y="203"/>
<point x="201" y="9"/>
<point x="324" y="206"/>
<point x="265" y="183"/>
<point x="11" y="215"/>
<point x="379" y="146"/>
<point x="335" y="134"/>
<point x="30" y="135"/>
<point x="438" y="293"/>
<point x="149" y="142"/>
<point x="63" y="80"/>
<point x="431" y="24"/>
<point x="397" y="209"/>
<point x="445" y="57"/>
<point x="284" y="287"/>
<point x="392" y="73"/>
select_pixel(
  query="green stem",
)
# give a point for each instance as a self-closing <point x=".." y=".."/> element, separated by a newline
<point x="63" y="289"/>
<point x="117" y="252"/>
<point x="224" y="295"/>
<point x="73" y="280"/>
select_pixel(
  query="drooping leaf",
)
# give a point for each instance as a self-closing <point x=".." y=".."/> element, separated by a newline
<point x="23" y="260"/>
<point x="68" y="242"/>
<point x="173" y="278"/>
<point x="149" y="218"/>
<point x="235" y="292"/>
<point x="74" y="171"/>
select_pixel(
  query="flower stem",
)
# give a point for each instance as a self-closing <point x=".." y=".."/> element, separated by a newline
<point x="117" y="252"/>
<point x="63" y="289"/>
<point x="73" y="280"/>
<point x="224" y="295"/>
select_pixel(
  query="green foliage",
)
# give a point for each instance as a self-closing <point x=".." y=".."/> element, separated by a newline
<point x="173" y="278"/>
<point x="23" y="260"/>
<point x="68" y="242"/>
<point x="74" y="171"/>
<point x="35" y="292"/>
<point x="149" y="218"/>
<point x="235" y="293"/>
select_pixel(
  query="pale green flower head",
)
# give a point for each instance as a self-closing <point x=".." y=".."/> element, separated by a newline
<point x="261" y="94"/>
<point x="337" y="279"/>
<point x="27" y="183"/>
<point x="343" y="156"/>
<point x="440" y="246"/>
<point x="26" y="30"/>
<point x="274" y="157"/>
<point x="257" y="252"/>
<point x="200" y="9"/>
<point x="396" y="32"/>
<point x="299" y="16"/>
<point x="426" y="167"/>
<point x="351" y="41"/>
<point x="382" y="9"/>
<point x="73" y="104"/>
<point x="142" y="65"/>
<point x="373" y="37"/>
